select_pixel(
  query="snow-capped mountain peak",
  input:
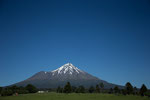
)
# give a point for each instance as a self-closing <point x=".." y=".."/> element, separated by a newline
<point x="59" y="77"/>
<point x="67" y="68"/>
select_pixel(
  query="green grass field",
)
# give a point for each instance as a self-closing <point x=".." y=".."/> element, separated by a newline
<point x="73" y="96"/>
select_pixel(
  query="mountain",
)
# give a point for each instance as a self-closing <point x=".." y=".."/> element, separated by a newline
<point x="61" y="76"/>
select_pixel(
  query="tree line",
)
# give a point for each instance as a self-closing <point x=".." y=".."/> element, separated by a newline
<point x="7" y="91"/>
<point x="68" y="88"/>
<point x="99" y="88"/>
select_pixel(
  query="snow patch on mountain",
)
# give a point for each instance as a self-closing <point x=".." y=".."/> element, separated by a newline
<point x="67" y="68"/>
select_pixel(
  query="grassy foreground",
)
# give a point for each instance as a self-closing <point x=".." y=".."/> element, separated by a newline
<point x="73" y="96"/>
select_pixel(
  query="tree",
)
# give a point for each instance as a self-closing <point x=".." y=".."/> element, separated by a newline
<point x="129" y="88"/>
<point x="135" y="91"/>
<point x="31" y="88"/>
<point x="6" y="92"/>
<point x="91" y="89"/>
<point x="101" y="86"/>
<point x="110" y="91"/>
<point x="81" y="89"/>
<point x="147" y="93"/>
<point x="67" y="88"/>
<point x="116" y="89"/>
<point x="97" y="89"/>
<point x="1" y="89"/>
<point x="74" y="89"/>
<point x="59" y="89"/>
<point x="77" y="90"/>
<point x="14" y="88"/>
<point x="22" y="90"/>
<point x="143" y="90"/>
<point x="124" y="91"/>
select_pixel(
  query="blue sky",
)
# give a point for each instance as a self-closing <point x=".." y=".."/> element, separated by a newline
<point x="109" y="39"/>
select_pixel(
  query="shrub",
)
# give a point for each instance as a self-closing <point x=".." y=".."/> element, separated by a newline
<point x="6" y="92"/>
<point x="31" y="88"/>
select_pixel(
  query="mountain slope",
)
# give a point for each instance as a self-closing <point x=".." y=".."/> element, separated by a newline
<point x="60" y="76"/>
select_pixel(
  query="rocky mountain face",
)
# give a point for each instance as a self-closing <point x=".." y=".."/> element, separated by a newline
<point x="62" y="75"/>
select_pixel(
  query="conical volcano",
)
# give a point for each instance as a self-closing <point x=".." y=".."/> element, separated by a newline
<point x="59" y="77"/>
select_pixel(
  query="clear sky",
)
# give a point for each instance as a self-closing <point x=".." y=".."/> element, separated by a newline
<point x="109" y="39"/>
